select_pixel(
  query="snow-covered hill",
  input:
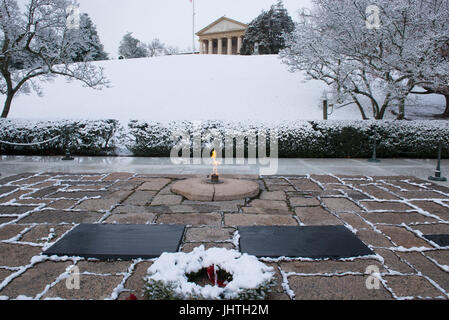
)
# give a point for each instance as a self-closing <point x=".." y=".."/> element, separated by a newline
<point x="257" y="88"/>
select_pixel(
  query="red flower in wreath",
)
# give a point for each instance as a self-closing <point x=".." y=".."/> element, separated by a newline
<point x="213" y="278"/>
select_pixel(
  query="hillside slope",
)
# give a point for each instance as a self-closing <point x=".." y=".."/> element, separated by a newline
<point x="257" y="88"/>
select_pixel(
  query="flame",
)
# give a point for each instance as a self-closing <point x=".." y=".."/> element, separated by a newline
<point x="215" y="162"/>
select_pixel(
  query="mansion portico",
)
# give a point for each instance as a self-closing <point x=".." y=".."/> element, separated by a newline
<point x="224" y="36"/>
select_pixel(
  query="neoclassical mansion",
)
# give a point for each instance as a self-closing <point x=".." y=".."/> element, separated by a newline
<point x="224" y="36"/>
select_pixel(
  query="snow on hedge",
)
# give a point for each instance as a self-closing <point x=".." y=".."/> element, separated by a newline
<point x="297" y="139"/>
<point x="82" y="137"/>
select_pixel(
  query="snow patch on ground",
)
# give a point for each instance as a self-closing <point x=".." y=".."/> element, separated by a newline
<point x="198" y="87"/>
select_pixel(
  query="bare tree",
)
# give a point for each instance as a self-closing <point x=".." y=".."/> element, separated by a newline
<point x="35" y="47"/>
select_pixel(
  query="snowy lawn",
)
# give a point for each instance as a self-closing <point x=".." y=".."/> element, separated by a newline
<point x="205" y="87"/>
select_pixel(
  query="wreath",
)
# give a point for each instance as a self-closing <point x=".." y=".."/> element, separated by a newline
<point x="213" y="274"/>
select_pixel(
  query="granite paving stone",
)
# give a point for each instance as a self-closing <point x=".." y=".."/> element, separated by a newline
<point x="34" y="280"/>
<point x="208" y="234"/>
<point x="434" y="228"/>
<point x="304" y="202"/>
<point x="373" y="238"/>
<point x="140" y="198"/>
<point x="91" y="287"/>
<point x="403" y="238"/>
<point x="188" y="247"/>
<point x="277" y="276"/>
<point x="393" y="262"/>
<point x="433" y="208"/>
<point x="16" y="177"/>
<point x="277" y="187"/>
<point x="62" y="204"/>
<point x="311" y="216"/>
<point x="135" y="282"/>
<point x="131" y="218"/>
<point x="9" y="231"/>
<point x="166" y="200"/>
<point x="7" y="210"/>
<point x="412" y="286"/>
<point x="59" y="216"/>
<point x="335" y="288"/>
<point x="420" y="195"/>
<point x="154" y="184"/>
<point x="118" y="176"/>
<point x="77" y="194"/>
<point x="427" y="268"/>
<point x="267" y="207"/>
<point x="44" y="233"/>
<point x="273" y="195"/>
<point x="4" y="273"/>
<point x="16" y="255"/>
<point x="14" y="196"/>
<point x="441" y="256"/>
<point x="385" y="206"/>
<point x="192" y="219"/>
<point x="4" y="220"/>
<point x="330" y="266"/>
<point x="5" y="190"/>
<point x="397" y="217"/>
<point x="217" y="206"/>
<point x="305" y="184"/>
<point x="354" y="220"/>
<point x="259" y="220"/>
<point x="324" y="178"/>
<point x="377" y="192"/>
<point x="340" y="205"/>
<point x="103" y="267"/>
<point x="53" y="203"/>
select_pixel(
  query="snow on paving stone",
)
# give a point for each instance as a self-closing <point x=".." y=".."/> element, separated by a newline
<point x="120" y="287"/>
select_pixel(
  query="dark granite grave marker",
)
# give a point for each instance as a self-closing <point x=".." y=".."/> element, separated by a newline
<point x="125" y="242"/>
<point x="440" y="239"/>
<point x="316" y="242"/>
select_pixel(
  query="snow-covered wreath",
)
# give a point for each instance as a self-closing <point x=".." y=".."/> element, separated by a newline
<point x="231" y="276"/>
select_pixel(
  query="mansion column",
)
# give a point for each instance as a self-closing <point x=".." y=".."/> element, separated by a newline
<point x="211" y="47"/>
<point x="220" y="46"/>
<point x="201" y="47"/>
<point x="229" y="46"/>
<point x="239" y="44"/>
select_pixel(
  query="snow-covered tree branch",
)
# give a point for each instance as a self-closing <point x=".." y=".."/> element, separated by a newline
<point x="37" y="45"/>
<point x="376" y="68"/>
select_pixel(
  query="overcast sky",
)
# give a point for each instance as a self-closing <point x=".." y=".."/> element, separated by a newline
<point x="169" y="20"/>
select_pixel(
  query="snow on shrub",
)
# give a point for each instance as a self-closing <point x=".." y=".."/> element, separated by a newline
<point x="168" y="277"/>
<point x="81" y="137"/>
<point x="297" y="139"/>
<point x="302" y="139"/>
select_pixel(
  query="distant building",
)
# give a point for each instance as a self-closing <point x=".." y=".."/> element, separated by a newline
<point x="224" y="36"/>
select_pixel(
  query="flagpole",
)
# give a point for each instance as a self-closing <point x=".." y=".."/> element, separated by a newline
<point x="193" y="30"/>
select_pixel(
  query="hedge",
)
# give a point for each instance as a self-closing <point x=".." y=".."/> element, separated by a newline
<point x="81" y="137"/>
<point x="299" y="139"/>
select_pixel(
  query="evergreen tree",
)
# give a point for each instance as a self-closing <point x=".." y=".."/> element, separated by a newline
<point x="268" y="31"/>
<point x="131" y="47"/>
<point x="87" y="45"/>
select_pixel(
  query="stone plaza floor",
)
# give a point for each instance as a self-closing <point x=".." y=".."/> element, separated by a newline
<point x="390" y="214"/>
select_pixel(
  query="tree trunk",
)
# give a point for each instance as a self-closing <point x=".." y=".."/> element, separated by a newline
<point x="446" y="112"/>
<point x="7" y="105"/>
<point x="401" y="113"/>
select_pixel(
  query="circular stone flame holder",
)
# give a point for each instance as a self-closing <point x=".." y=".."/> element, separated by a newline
<point x="204" y="190"/>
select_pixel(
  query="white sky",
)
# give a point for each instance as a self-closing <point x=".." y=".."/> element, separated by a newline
<point x="169" y="20"/>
